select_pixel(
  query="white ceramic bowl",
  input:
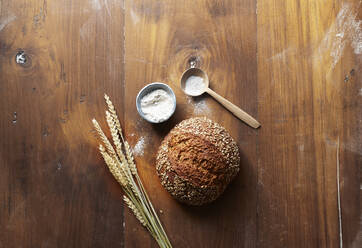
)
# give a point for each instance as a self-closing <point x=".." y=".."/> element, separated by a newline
<point x="149" y="88"/>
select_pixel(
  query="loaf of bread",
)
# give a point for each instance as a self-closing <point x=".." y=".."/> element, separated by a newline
<point x="197" y="160"/>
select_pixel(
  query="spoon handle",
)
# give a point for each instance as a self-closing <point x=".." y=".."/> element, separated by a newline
<point x="234" y="109"/>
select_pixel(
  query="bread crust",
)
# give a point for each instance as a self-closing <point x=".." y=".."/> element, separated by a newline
<point x="197" y="160"/>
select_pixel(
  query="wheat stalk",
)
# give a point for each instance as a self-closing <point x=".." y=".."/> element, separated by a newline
<point x="120" y="162"/>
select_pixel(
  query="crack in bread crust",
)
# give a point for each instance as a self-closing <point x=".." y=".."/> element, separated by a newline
<point x="195" y="159"/>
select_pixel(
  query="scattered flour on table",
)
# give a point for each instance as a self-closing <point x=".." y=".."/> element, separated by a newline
<point x="194" y="85"/>
<point x="138" y="149"/>
<point x="283" y="54"/>
<point x="157" y="106"/>
<point x="135" y="18"/>
<point x="5" y="20"/>
<point x="96" y="4"/>
<point x="345" y="30"/>
<point x="200" y="107"/>
<point x="88" y="27"/>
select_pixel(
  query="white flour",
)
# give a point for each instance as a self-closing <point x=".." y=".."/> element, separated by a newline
<point x="157" y="106"/>
<point x="345" y="30"/>
<point x="200" y="107"/>
<point x="138" y="149"/>
<point x="194" y="85"/>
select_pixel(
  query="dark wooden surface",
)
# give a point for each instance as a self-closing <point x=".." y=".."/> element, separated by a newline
<point x="294" y="65"/>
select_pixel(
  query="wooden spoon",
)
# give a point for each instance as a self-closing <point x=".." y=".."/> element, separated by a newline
<point x="242" y="115"/>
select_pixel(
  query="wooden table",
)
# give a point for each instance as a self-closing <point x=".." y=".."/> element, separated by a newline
<point x="294" y="65"/>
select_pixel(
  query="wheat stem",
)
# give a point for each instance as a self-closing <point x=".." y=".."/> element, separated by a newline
<point x="152" y="208"/>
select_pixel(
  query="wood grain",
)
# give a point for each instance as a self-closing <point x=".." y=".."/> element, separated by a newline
<point x="306" y="108"/>
<point x="55" y="190"/>
<point x="293" y="65"/>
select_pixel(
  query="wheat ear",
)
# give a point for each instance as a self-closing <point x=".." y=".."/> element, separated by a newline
<point x="116" y="129"/>
<point x="135" y="210"/>
<point x="104" y="138"/>
<point x="113" y="112"/>
<point x="130" y="159"/>
<point x="115" y="136"/>
<point x="113" y="168"/>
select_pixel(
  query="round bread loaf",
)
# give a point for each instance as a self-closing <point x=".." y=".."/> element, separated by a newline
<point x="197" y="160"/>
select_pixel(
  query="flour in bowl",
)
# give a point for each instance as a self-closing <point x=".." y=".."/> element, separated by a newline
<point x="157" y="106"/>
